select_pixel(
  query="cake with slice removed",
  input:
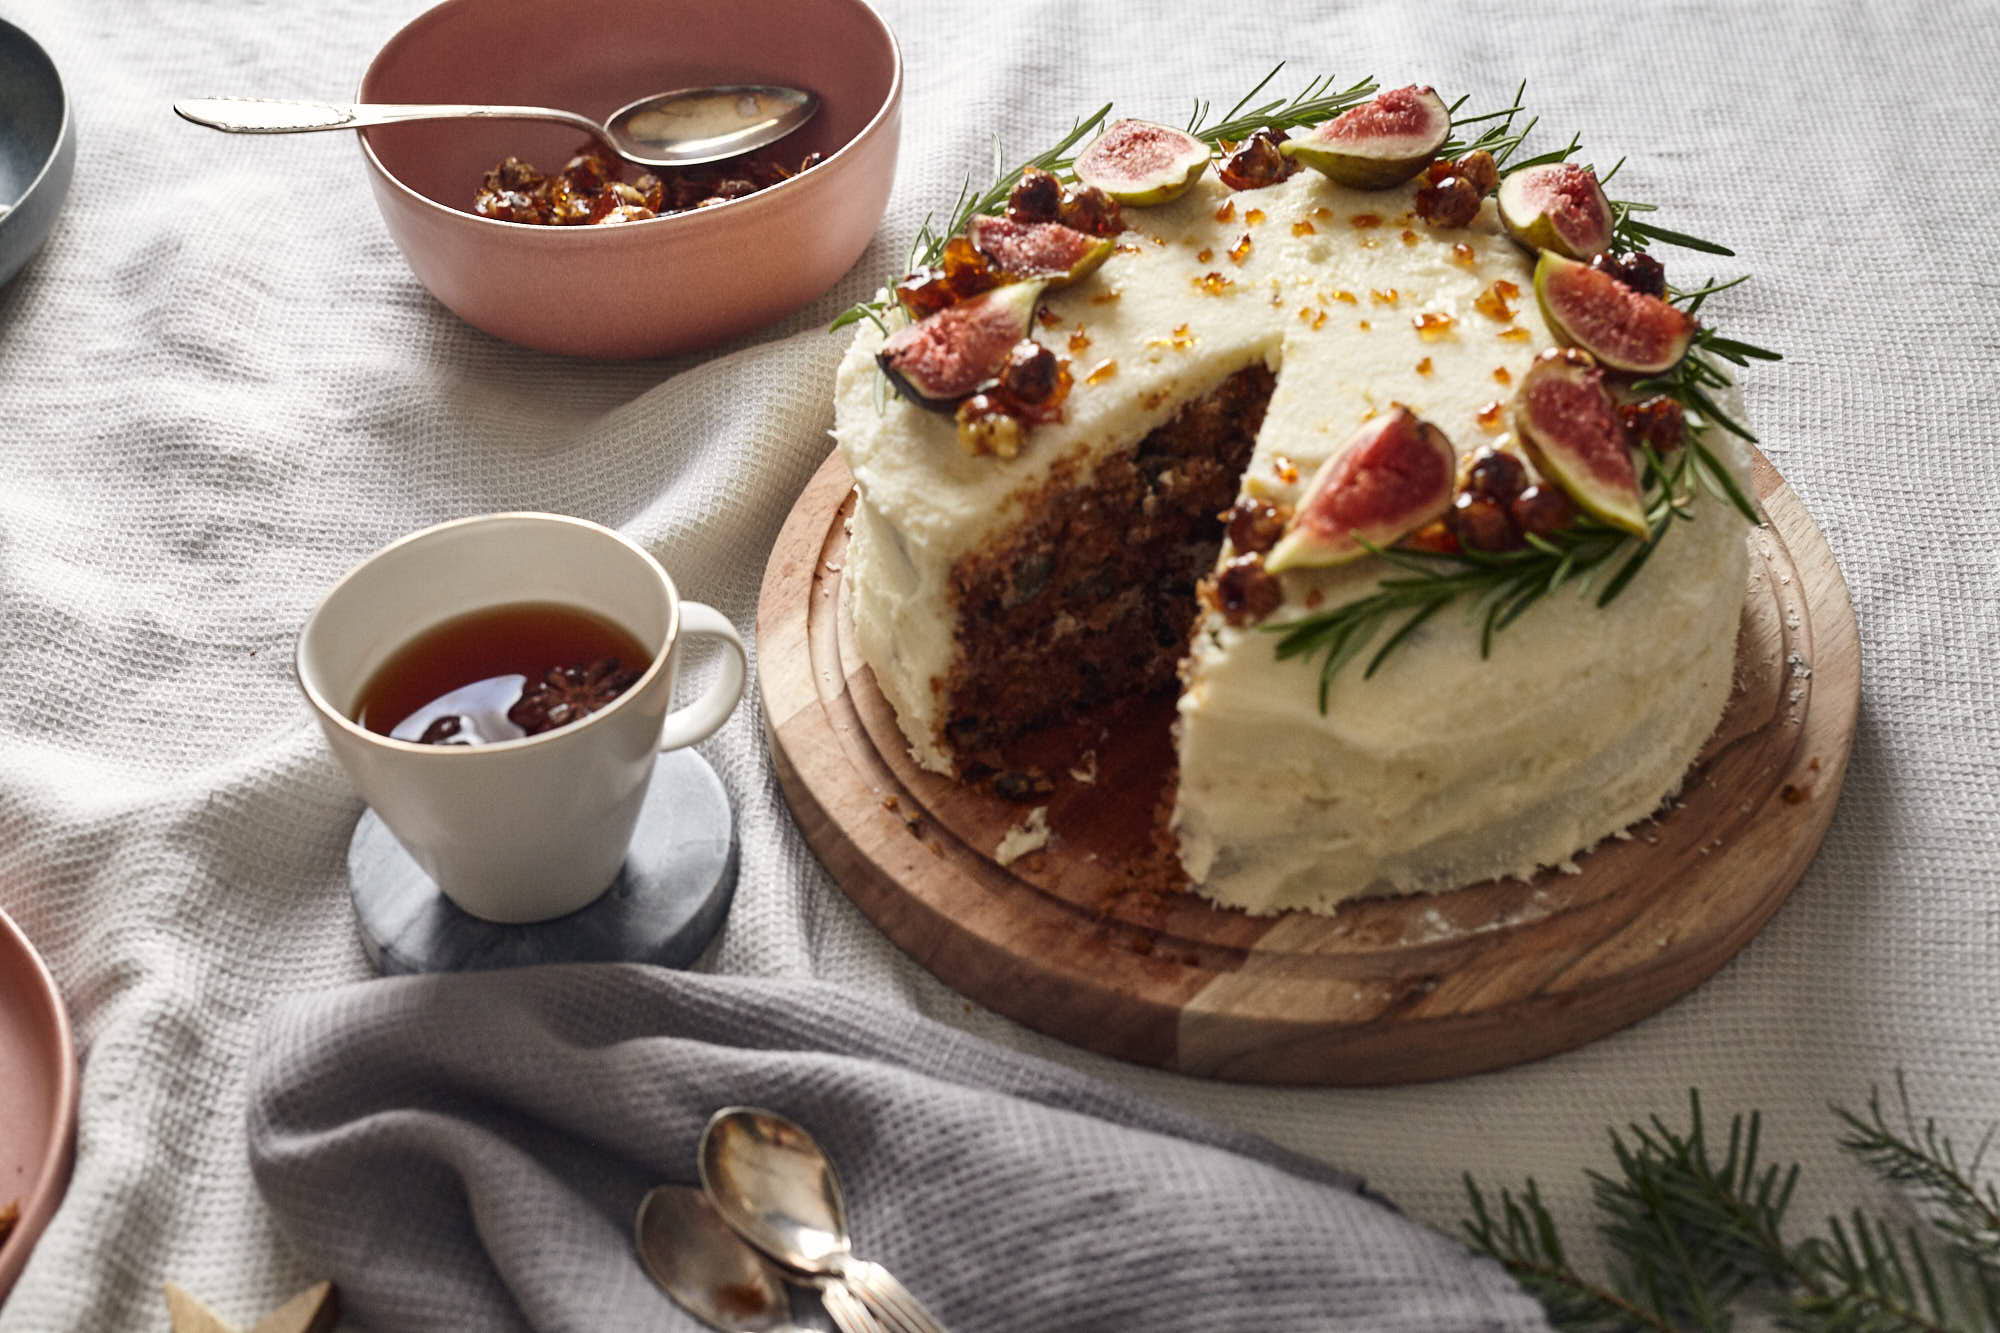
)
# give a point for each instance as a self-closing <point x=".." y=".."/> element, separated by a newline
<point x="1217" y="444"/>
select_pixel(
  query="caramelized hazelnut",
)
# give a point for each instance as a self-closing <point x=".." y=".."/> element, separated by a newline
<point x="507" y="206"/>
<point x="1496" y="475"/>
<point x="1254" y="527"/>
<point x="1479" y="168"/>
<point x="1036" y="197"/>
<point x="1246" y="592"/>
<point x="1030" y="373"/>
<point x="1481" y="524"/>
<point x="1542" y="510"/>
<point x="1658" y="421"/>
<point x="1638" y="270"/>
<point x="512" y="174"/>
<point x="1091" y="210"/>
<point x="1451" y="202"/>
<point x="591" y="167"/>
<point x="1256" y="162"/>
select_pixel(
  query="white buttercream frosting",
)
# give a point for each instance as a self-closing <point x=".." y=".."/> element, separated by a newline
<point x="1443" y="768"/>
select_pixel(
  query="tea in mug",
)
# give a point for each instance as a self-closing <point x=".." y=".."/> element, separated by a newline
<point x="501" y="674"/>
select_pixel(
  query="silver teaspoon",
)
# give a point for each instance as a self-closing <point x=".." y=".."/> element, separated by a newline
<point x="683" y="128"/>
<point x="706" y="1267"/>
<point x="715" y="1276"/>
<point x="773" y="1185"/>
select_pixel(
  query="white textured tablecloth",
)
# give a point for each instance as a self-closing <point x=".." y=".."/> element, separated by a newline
<point x="221" y="387"/>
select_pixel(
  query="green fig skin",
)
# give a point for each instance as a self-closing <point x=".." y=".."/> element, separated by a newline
<point x="1632" y="332"/>
<point x="1142" y="164"/>
<point x="1529" y="222"/>
<point x="1348" y="157"/>
<point x="1593" y="464"/>
<point x="1400" y="464"/>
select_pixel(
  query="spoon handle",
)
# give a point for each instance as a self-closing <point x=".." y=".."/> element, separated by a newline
<point x="842" y="1306"/>
<point x="888" y="1299"/>
<point x="264" y="115"/>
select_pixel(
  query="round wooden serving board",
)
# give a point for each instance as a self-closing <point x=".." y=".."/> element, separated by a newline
<point x="1386" y="990"/>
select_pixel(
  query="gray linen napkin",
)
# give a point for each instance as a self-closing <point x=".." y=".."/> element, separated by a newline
<point x="466" y="1152"/>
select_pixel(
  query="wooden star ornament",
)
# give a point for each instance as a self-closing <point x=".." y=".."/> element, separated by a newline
<point x="313" y="1310"/>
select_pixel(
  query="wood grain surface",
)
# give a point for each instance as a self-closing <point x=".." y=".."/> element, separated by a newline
<point x="1386" y="990"/>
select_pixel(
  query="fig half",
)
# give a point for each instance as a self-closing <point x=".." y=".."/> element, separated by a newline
<point x="1557" y="207"/>
<point x="962" y="347"/>
<point x="1624" y="329"/>
<point x="1377" y="144"/>
<point x="1394" y="475"/>
<point x="1047" y="250"/>
<point x="1137" y="162"/>
<point x="1569" y="423"/>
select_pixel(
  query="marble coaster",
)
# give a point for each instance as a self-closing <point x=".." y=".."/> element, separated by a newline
<point x="667" y="903"/>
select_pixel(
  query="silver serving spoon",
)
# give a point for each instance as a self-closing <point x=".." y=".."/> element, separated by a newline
<point x="774" y="1186"/>
<point x="706" y="1267"/>
<point x="677" y="129"/>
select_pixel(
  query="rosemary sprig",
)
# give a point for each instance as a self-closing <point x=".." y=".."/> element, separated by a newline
<point x="1696" y="1231"/>
<point x="1318" y="100"/>
<point x="929" y="243"/>
<point x="1499" y="587"/>
<point x="1503" y="586"/>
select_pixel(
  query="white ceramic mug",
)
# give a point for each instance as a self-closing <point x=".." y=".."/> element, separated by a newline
<point x="529" y="829"/>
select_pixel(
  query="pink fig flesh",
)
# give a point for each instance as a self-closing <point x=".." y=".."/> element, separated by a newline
<point x="1378" y="144"/>
<point x="954" y="352"/>
<point x="1558" y="207"/>
<point x="1393" y="476"/>
<point x="1140" y="163"/>
<point x="1571" y="427"/>
<point x="1038" y="249"/>
<point x="1623" y="328"/>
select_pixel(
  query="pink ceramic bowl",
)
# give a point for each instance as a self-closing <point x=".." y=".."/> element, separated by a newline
<point x="645" y="288"/>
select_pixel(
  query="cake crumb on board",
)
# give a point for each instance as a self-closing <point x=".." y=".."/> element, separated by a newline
<point x="1030" y="835"/>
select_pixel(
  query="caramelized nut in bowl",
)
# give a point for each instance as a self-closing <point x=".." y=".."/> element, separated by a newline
<point x="651" y="287"/>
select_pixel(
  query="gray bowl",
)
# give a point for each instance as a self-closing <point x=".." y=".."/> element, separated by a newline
<point x="37" y="147"/>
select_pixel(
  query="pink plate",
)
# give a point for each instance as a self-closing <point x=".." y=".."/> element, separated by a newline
<point x="37" y="1096"/>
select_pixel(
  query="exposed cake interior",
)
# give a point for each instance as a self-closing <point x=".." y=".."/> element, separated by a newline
<point x="997" y="597"/>
<point x="1091" y="598"/>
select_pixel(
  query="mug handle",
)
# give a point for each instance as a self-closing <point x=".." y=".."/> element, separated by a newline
<point x="700" y="719"/>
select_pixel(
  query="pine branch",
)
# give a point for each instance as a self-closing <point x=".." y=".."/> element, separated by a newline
<point x="1525" y="1241"/>
<point x="1922" y="1160"/>
<point x="1697" y="1234"/>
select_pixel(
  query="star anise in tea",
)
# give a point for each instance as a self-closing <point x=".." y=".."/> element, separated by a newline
<point x="570" y="693"/>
